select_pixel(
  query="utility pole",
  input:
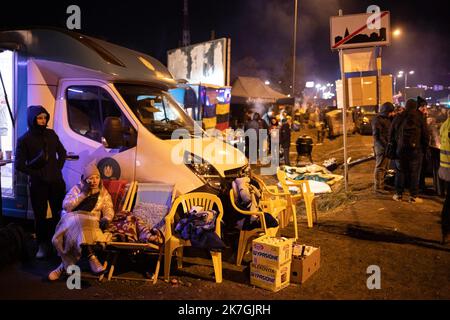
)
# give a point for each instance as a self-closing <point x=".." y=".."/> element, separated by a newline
<point x="186" y="34"/>
<point x="294" y="49"/>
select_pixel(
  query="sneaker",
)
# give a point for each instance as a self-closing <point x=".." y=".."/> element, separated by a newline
<point x="42" y="252"/>
<point x="56" y="274"/>
<point x="415" y="200"/>
<point x="397" y="197"/>
<point x="96" y="266"/>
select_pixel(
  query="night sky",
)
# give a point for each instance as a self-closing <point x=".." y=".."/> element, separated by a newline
<point x="260" y="30"/>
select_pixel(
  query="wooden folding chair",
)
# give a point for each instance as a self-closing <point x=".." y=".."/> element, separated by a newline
<point x="117" y="247"/>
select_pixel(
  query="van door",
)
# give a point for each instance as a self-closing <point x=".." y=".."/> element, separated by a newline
<point x="86" y="111"/>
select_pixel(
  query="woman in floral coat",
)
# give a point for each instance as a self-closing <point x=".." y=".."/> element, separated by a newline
<point x="87" y="210"/>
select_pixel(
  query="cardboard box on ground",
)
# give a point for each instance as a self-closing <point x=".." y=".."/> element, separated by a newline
<point x="304" y="265"/>
<point x="277" y="262"/>
<point x="271" y="264"/>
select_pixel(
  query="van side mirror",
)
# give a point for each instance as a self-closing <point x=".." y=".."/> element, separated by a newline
<point x="112" y="136"/>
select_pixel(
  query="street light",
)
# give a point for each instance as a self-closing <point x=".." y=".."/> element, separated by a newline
<point x="402" y="73"/>
<point x="267" y="82"/>
<point x="397" y="33"/>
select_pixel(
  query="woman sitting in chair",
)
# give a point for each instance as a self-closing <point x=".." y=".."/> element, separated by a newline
<point x="87" y="211"/>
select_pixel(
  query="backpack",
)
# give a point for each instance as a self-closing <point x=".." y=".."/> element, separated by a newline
<point x="408" y="135"/>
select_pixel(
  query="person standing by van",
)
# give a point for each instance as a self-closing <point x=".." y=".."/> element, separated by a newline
<point x="41" y="155"/>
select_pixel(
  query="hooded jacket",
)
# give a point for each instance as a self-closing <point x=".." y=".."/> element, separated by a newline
<point x="380" y="127"/>
<point x="36" y="140"/>
<point x="411" y="114"/>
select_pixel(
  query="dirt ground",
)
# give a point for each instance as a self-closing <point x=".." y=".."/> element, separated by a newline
<point x="403" y="239"/>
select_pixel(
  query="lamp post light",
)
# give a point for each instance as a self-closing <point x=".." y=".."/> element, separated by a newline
<point x="397" y="33"/>
<point x="402" y="73"/>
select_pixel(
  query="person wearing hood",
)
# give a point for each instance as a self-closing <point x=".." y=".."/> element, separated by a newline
<point x="87" y="212"/>
<point x="409" y="133"/>
<point x="380" y="131"/>
<point x="41" y="155"/>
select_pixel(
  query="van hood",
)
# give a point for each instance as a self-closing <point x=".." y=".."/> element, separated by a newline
<point x="222" y="156"/>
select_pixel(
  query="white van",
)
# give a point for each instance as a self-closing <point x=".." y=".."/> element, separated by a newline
<point x="108" y="104"/>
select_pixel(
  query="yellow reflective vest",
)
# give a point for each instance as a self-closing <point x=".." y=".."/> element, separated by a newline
<point x="445" y="144"/>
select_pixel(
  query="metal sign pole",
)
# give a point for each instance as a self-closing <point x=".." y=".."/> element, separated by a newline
<point x="344" y="112"/>
<point x="344" y="116"/>
<point x="379" y="80"/>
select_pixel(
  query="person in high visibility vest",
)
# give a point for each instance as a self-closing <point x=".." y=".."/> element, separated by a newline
<point x="444" y="174"/>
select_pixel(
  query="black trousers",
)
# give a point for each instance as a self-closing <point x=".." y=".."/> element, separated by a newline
<point x="408" y="169"/>
<point x="286" y="155"/>
<point x="42" y="193"/>
<point x="445" y="216"/>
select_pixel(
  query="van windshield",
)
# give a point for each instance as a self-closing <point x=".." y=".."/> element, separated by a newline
<point x="157" y="110"/>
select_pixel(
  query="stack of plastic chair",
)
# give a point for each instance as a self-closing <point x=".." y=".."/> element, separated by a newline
<point x="276" y="202"/>
<point x="246" y="235"/>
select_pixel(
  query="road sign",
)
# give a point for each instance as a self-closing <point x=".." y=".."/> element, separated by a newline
<point x="360" y="30"/>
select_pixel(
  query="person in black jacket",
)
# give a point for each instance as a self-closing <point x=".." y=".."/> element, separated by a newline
<point x="285" y="139"/>
<point x="409" y="132"/>
<point x="41" y="156"/>
<point x="380" y="131"/>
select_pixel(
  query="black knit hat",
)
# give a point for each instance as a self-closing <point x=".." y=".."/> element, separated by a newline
<point x="421" y="102"/>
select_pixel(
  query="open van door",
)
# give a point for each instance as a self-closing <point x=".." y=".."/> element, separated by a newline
<point x="93" y="126"/>
<point x="7" y="132"/>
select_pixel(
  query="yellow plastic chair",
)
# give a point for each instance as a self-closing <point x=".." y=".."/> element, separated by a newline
<point x="246" y="235"/>
<point x="277" y="204"/>
<point x="173" y="243"/>
<point x="304" y="193"/>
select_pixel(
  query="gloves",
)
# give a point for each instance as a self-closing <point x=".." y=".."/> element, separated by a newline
<point x="104" y="224"/>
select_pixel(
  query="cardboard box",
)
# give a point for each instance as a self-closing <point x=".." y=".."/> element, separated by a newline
<point x="302" y="267"/>
<point x="271" y="251"/>
<point x="269" y="277"/>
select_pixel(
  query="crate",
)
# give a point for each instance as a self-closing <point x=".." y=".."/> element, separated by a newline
<point x="303" y="267"/>
<point x="269" y="277"/>
<point x="271" y="251"/>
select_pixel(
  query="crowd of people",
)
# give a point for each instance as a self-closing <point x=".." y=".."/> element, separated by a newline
<point x="402" y="139"/>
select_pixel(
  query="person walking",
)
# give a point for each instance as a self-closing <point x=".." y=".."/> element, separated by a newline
<point x="380" y="131"/>
<point x="409" y="133"/>
<point x="41" y="155"/>
<point x="285" y="139"/>
<point x="444" y="174"/>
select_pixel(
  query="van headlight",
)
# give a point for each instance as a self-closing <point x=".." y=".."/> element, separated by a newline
<point x="203" y="169"/>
